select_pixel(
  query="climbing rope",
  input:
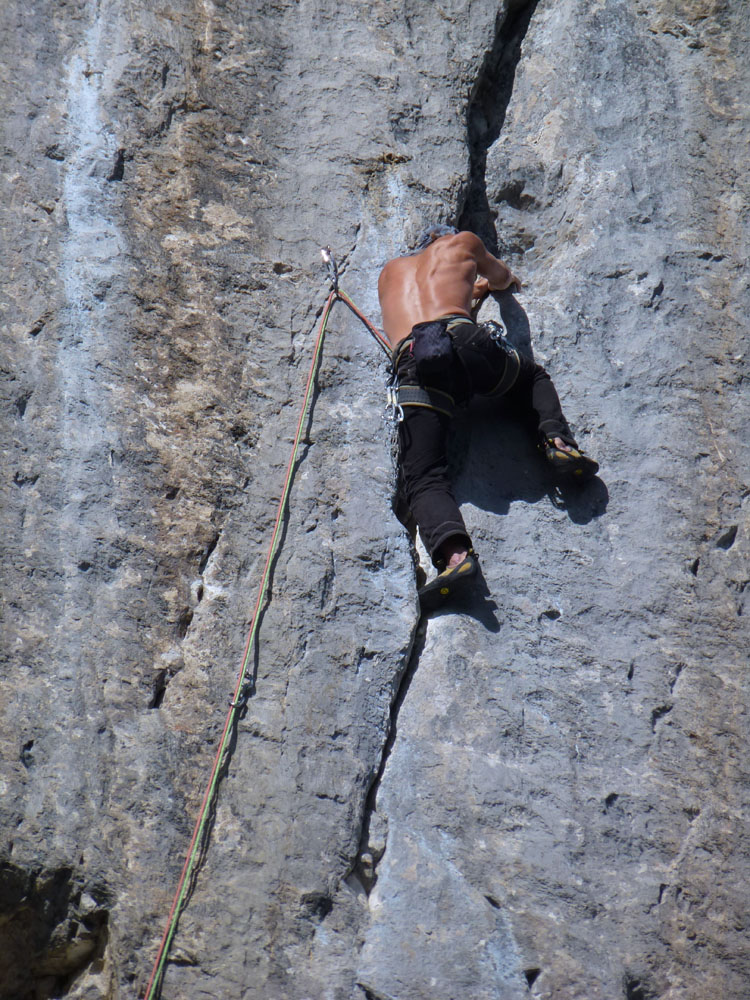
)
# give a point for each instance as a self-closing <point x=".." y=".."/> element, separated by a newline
<point x="244" y="686"/>
<point x="368" y="325"/>
<point x="333" y="274"/>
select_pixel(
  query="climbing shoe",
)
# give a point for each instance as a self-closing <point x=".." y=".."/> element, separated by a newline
<point x="447" y="584"/>
<point x="570" y="466"/>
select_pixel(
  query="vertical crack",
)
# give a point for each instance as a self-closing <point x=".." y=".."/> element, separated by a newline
<point x="487" y="108"/>
<point x="488" y="105"/>
<point x="371" y="845"/>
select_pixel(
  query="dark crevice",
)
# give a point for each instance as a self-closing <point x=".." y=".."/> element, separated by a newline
<point x="531" y="976"/>
<point x="635" y="989"/>
<point x="656" y="294"/>
<point x="366" y="867"/>
<point x="316" y="906"/>
<point x="118" y="167"/>
<point x="658" y="714"/>
<point x="488" y="105"/>
<point x="371" y="994"/>
<point x="160" y="688"/>
<point x="26" y="756"/>
<point x="22" y="403"/>
<point x="183" y="622"/>
<point x="208" y="552"/>
<point x="726" y="538"/>
<point x="21" y="480"/>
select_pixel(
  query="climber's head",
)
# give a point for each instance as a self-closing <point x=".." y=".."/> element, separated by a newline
<point x="431" y="234"/>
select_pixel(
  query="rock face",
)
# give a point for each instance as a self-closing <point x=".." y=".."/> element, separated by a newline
<point x="541" y="792"/>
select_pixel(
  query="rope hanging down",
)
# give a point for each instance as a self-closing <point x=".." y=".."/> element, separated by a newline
<point x="243" y="687"/>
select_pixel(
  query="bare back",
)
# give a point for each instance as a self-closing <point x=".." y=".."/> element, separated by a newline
<point x="438" y="281"/>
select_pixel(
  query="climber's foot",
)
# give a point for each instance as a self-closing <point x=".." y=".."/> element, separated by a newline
<point x="569" y="462"/>
<point x="454" y="579"/>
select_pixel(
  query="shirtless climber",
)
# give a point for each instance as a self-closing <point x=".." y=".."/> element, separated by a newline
<point x="428" y="299"/>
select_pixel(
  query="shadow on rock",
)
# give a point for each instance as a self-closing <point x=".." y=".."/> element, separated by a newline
<point x="493" y="452"/>
<point x="477" y="603"/>
<point x="516" y="323"/>
<point x="495" y="462"/>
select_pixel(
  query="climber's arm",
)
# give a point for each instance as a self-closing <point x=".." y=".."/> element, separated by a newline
<point x="497" y="274"/>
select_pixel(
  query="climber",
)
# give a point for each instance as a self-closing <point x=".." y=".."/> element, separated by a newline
<point x="429" y="300"/>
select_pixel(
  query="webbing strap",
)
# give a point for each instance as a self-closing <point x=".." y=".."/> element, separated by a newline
<point x="432" y="399"/>
<point x="512" y="368"/>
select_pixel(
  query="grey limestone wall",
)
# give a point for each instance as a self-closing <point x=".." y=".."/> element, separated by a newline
<point x="540" y="792"/>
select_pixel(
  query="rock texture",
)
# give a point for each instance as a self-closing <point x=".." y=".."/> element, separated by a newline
<point x="542" y="792"/>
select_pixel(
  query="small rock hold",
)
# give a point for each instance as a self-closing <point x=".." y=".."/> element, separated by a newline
<point x="726" y="538"/>
<point x="118" y="168"/>
<point x="27" y="757"/>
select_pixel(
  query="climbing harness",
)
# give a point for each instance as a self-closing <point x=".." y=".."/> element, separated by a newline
<point x="430" y="399"/>
<point x="245" y="682"/>
<point x="496" y="333"/>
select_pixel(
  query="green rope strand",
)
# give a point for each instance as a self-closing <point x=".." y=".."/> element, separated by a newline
<point x="191" y="862"/>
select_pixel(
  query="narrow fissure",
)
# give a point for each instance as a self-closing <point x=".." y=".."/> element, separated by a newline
<point x="488" y="105"/>
<point x="485" y="117"/>
<point x="369" y="856"/>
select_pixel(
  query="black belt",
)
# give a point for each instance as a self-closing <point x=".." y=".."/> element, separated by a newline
<point x="430" y="399"/>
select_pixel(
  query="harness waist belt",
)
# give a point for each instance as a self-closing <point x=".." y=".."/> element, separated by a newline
<point x="432" y="399"/>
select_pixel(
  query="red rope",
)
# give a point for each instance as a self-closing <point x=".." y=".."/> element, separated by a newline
<point x="384" y="343"/>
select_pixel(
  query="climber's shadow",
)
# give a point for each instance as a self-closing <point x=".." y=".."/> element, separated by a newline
<point x="494" y="455"/>
<point x="495" y="461"/>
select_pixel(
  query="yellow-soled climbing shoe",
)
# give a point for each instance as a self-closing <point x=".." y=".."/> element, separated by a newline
<point x="570" y="466"/>
<point x="447" y="584"/>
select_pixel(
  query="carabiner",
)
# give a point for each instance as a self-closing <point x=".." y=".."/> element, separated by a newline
<point x="333" y="271"/>
<point x="394" y="411"/>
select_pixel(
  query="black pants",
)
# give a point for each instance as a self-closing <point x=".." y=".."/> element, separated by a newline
<point x="423" y="432"/>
